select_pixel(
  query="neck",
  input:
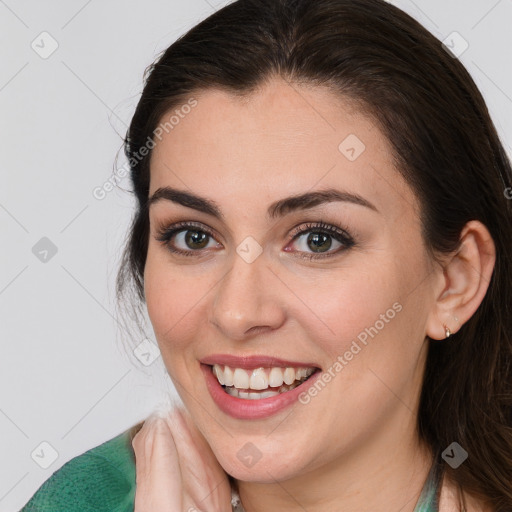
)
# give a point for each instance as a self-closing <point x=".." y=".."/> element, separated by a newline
<point x="387" y="474"/>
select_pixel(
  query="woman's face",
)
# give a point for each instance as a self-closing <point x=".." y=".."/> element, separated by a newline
<point x="341" y="285"/>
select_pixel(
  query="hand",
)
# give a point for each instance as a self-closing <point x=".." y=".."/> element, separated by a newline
<point x="176" y="470"/>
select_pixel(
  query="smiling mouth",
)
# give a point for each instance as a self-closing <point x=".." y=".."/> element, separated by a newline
<point x="262" y="382"/>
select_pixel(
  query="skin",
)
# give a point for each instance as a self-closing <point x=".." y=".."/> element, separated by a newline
<point x="356" y="442"/>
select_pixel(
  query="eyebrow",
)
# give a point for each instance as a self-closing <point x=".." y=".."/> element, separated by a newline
<point x="275" y="210"/>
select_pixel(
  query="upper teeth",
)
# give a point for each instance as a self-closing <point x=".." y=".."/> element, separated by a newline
<point x="259" y="378"/>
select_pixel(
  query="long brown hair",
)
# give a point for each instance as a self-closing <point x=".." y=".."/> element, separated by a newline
<point x="445" y="145"/>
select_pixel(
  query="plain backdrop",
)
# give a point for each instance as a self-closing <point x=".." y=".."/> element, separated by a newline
<point x="70" y="76"/>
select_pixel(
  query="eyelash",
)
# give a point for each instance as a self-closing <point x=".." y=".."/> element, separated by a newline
<point x="165" y="234"/>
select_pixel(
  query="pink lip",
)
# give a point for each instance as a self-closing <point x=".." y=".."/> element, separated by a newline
<point x="252" y="362"/>
<point x="243" y="409"/>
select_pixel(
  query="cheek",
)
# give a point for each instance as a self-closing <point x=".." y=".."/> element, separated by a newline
<point x="166" y="296"/>
<point x="176" y="299"/>
<point x="348" y="306"/>
<point x="155" y="294"/>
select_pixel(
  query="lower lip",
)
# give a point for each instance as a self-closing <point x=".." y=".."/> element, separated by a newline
<point x="245" y="409"/>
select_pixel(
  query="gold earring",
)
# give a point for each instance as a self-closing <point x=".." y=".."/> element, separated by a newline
<point x="447" y="331"/>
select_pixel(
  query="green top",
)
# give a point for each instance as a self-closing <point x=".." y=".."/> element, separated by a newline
<point x="100" y="480"/>
<point x="103" y="480"/>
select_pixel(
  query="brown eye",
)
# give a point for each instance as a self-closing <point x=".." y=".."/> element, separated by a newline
<point x="318" y="238"/>
<point x="195" y="239"/>
<point x="185" y="239"/>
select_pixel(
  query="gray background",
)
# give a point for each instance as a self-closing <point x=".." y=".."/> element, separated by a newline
<point x="68" y="373"/>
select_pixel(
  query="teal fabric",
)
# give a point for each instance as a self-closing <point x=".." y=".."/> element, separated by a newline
<point x="100" y="480"/>
<point x="103" y="480"/>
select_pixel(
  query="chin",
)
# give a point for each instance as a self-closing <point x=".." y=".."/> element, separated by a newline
<point x="268" y="463"/>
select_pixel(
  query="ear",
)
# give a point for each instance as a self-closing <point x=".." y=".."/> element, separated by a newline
<point x="463" y="281"/>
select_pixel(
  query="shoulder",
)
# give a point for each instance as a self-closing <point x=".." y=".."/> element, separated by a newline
<point x="101" y="480"/>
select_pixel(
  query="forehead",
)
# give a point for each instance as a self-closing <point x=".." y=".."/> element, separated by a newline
<point x="284" y="139"/>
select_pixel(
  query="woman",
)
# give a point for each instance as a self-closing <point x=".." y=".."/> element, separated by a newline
<point x="322" y="241"/>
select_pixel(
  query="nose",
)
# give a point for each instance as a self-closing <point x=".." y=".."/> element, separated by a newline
<point x="248" y="301"/>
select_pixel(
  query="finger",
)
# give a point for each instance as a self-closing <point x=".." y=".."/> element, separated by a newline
<point x="158" y="473"/>
<point x="206" y="479"/>
<point x="192" y="447"/>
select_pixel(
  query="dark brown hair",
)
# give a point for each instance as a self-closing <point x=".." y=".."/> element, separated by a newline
<point x="445" y="145"/>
